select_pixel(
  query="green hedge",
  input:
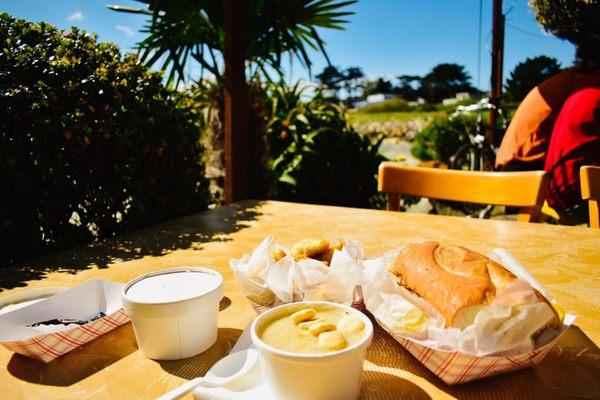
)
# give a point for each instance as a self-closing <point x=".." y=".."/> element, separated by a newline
<point x="91" y="142"/>
<point x="391" y="105"/>
<point x="316" y="156"/>
<point x="442" y="138"/>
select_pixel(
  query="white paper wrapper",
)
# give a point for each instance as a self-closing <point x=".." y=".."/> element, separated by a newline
<point x="499" y="329"/>
<point x="82" y="302"/>
<point x="269" y="283"/>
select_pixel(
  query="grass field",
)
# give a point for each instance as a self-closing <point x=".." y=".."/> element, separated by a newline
<point x="402" y="116"/>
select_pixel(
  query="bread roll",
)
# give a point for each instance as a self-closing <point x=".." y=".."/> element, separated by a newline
<point x="317" y="249"/>
<point x="456" y="281"/>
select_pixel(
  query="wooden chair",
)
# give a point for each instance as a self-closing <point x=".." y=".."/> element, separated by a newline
<point x="590" y="190"/>
<point x="517" y="189"/>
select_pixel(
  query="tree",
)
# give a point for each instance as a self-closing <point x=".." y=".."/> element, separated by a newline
<point x="330" y="78"/>
<point x="333" y="79"/>
<point x="180" y="31"/>
<point x="444" y="80"/>
<point x="249" y="34"/>
<point x="352" y="81"/>
<point x="528" y="74"/>
<point x="406" y="86"/>
<point x="577" y="21"/>
<point x="380" y="85"/>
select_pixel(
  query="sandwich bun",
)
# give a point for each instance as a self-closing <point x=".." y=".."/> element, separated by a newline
<point x="455" y="281"/>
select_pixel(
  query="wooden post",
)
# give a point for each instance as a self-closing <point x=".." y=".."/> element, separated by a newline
<point x="236" y="100"/>
<point x="497" y="64"/>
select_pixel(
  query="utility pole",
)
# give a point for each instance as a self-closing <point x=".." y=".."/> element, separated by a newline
<point x="497" y="64"/>
<point x="236" y="100"/>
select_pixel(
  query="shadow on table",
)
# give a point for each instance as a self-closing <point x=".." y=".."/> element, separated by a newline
<point x="224" y="303"/>
<point x="570" y="370"/>
<point x="182" y="233"/>
<point x="192" y="367"/>
<point x="77" y="364"/>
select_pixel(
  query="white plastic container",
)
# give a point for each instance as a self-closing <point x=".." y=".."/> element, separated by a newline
<point x="174" y="311"/>
<point x="328" y="376"/>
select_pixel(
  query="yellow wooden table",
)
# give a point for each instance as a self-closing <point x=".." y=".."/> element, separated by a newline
<point x="565" y="259"/>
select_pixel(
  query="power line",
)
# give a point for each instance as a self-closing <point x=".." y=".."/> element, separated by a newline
<point x="516" y="28"/>
<point x="479" y="45"/>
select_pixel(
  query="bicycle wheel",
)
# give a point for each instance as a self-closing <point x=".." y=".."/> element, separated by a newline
<point x="474" y="158"/>
<point x="465" y="158"/>
<point x="488" y="158"/>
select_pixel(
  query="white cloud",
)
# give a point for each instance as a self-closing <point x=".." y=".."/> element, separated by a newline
<point x="76" y="16"/>
<point x="125" y="29"/>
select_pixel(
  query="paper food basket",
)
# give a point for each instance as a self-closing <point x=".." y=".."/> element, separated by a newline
<point x="454" y="367"/>
<point x="267" y="283"/>
<point x="80" y="302"/>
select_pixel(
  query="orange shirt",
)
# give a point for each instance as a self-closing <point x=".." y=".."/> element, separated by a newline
<point x="527" y="137"/>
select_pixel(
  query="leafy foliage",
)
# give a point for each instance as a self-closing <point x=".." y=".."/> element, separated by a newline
<point x="316" y="155"/>
<point x="90" y="142"/>
<point x="182" y="30"/>
<point x="442" y="138"/>
<point x="528" y="74"/>
<point x="577" y="21"/>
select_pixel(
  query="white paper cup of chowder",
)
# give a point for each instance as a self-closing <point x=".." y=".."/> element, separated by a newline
<point x="312" y="350"/>
<point x="174" y="311"/>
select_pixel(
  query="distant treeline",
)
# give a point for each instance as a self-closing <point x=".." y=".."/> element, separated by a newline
<point x="443" y="81"/>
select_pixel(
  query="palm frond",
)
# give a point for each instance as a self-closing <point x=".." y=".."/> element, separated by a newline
<point x="185" y="30"/>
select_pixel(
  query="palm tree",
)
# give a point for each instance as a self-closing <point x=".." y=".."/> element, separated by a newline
<point x="183" y="30"/>
<point x="235" y="34"/>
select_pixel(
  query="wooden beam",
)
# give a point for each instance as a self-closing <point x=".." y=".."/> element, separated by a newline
<point x="236" y="100"/>
<point x="497" y="64"/>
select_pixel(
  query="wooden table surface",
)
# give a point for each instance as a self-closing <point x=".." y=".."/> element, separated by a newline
<point x="565" y="259"/>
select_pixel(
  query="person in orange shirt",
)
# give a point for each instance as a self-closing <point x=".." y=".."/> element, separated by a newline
<point x="526" y="140"/>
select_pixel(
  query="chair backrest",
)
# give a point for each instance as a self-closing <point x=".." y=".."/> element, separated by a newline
<point x="526" y="190"/>
<point x="590" y="190"/>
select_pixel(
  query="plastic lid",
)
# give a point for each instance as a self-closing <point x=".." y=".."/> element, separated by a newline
<point x="173" y="286"/>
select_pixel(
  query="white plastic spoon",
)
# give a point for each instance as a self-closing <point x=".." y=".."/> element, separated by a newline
<point x="238" y="368"/>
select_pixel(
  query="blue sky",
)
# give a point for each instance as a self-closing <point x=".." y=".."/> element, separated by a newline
<point x="384" y="37"/>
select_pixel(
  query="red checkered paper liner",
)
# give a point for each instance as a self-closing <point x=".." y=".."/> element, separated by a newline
<point x="49" y="346"/>
<point x="19" y="333"/>
<point x="451" y="366"/>
<point x="454" y="367"/>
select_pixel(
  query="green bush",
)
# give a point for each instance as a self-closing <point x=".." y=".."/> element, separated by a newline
<point x="316" y="155"/>
<point x="442" y="138"/>
<point x="91" y="143"/>
<point x="390" y="105"/>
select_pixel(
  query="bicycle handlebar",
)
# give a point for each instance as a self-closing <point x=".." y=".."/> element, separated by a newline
<point x="481" y="105"/>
